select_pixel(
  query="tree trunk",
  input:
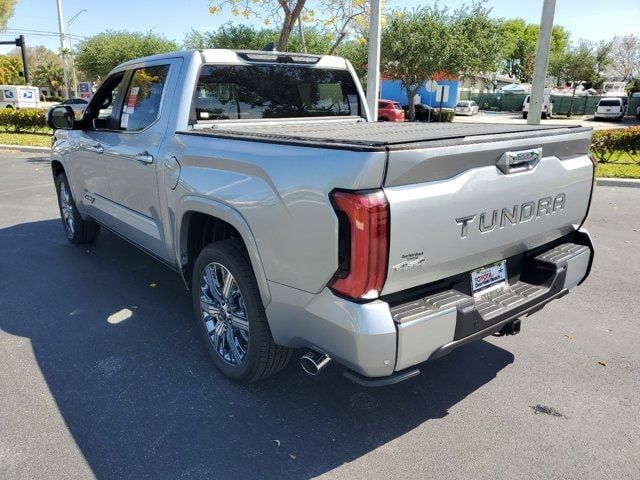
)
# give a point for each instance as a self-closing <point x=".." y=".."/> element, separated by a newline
<point x="289" y="21"/>
<point x="412" y="107"/>
<point x="571" y="102"/>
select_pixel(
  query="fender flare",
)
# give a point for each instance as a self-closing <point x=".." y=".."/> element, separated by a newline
<point x="196" y="204"/>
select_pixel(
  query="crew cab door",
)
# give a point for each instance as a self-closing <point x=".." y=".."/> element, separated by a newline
<point x="131" y="152"/>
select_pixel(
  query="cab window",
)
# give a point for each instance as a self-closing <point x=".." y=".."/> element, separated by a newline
<point x="101" y="114"/>
<point x="142" y="100"/>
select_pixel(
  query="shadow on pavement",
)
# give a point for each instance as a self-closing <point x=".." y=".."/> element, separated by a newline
<point x="141" y="398"/>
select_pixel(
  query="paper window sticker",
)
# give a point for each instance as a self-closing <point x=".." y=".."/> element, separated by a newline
<point x="124" y="121"/>
<point x="204" y="114"/>
<point x="133" y="97"/>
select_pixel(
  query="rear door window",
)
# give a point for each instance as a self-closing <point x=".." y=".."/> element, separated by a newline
<point x="143" y="97"/>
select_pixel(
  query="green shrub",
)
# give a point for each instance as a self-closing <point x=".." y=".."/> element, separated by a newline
<point x="442" y="116"/>
<point x="22" y="120"/>
<point x="609" y="143"/>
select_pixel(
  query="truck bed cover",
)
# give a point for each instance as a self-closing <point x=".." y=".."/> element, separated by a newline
<point x="372" y="136"/>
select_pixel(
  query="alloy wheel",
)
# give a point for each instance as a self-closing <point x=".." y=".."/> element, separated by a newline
<point x="224" y="314"/>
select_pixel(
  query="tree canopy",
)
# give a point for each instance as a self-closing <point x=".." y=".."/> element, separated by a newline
<point x="99" y="54"/>
<point x="421" y="43"/>
<point x="6" y="12"/>
<point x="287" y="12"/>
<point x="626" y="56"/>
<point x="10" y="68"/>
<point x="335" y="19"/>
<point x="519" y="42"/>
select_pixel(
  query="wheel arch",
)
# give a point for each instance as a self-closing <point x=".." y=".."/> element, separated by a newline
<point x="202" y="221"/>
<point x="56" y="167"/>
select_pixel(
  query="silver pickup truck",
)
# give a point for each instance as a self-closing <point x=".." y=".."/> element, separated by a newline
<point x="299" y="224"/>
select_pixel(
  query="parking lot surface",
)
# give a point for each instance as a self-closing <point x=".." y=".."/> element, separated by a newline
<point x="516" y="117"/>
<point x="102" y="374"/>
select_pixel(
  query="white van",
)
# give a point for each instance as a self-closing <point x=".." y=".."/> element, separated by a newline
<point x="547" y="106"/>
<point x="614" y="108"/>
<point x="19" y="96"/>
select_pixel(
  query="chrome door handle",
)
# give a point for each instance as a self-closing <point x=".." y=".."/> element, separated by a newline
<point x="144" y="157"/>
<point x="97" y="148"/>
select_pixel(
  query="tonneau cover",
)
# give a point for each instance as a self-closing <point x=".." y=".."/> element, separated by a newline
<point x="376" y="136"/>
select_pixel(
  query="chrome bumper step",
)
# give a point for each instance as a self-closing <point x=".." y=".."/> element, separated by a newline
<point x="495" y="305"/>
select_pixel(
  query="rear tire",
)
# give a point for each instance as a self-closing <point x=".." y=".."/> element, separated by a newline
<point x="234" y="325"/>
<point x="75" y="227"/>
<point x="525" y="115"/>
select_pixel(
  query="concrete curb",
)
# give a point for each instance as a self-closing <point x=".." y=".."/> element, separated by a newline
<point x="618" y="182"/>
<point x="25" y="148"/>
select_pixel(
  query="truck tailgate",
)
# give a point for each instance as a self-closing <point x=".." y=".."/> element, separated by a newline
<point x="458" y="207"/>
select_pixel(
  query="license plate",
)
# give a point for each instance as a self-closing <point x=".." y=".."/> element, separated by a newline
<point x="488" y="279"/>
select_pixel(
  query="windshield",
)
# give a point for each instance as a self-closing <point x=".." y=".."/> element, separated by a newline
<point x="230" y="92"/>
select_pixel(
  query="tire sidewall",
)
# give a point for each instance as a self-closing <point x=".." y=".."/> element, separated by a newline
<point x="226" y="255"/>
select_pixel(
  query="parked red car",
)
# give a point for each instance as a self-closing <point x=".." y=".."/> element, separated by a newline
<point x="390" y="111"/>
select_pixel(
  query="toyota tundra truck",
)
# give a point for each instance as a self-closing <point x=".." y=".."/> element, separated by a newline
<point x="297" y="223"/>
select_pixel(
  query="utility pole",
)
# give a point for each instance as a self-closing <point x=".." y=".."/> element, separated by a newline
<point x="373" y="70"/>
<point x="63" y="50"/>
<point x="74" y="87"/>
<point x="542" y="61"/>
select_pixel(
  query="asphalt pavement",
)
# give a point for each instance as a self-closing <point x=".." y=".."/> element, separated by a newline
<point x="486" y="116"/>
<point x="102" y="374"/>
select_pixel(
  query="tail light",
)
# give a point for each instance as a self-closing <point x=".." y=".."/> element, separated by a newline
<point x="363" y="243"/>
<point x="594" y="161"/>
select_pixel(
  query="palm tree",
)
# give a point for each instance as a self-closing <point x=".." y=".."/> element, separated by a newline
<point x="49" y="74"/>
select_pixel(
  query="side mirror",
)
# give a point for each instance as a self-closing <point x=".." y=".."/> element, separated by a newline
<point x="60" y="117"/>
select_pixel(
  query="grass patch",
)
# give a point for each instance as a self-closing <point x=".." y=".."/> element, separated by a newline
<point x="26" y="139"/>
<point x="623" y="157"/>
<point x="618" y="170"/>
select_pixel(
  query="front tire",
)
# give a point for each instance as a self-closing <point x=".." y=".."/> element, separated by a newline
<point x="525" y="115"/>
<point x="230" y="315"/>
<point x="76" y="228"/>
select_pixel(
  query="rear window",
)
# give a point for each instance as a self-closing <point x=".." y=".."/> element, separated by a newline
<point x="462" y="104"/>
<point x="614" y="102"/>
<point x="232" y="92"/>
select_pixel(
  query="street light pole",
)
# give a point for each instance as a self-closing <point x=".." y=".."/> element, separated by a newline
<point x="542" y="61"/>
<point x="373" y="70"/>
<point x="73" y="60"/>
<point x="63" y="49"/>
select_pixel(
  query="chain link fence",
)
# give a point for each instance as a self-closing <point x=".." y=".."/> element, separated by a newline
<point x="582" y="104"/>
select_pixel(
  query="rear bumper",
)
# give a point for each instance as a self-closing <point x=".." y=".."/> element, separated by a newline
<point x="389" y="338"/>
<point x="608" y="115"/>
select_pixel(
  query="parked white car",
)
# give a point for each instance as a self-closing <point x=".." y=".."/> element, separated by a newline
<point x="611" y="108"/>
<point x="467" y="107"/>
<point x="547" y="106"/>
<point x="19" y="96"/>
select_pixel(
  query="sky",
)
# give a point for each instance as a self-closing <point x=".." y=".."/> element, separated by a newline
<point x="590" y="19"/>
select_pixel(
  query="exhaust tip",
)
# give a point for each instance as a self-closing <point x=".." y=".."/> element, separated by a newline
<point x="314" y="362"/>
